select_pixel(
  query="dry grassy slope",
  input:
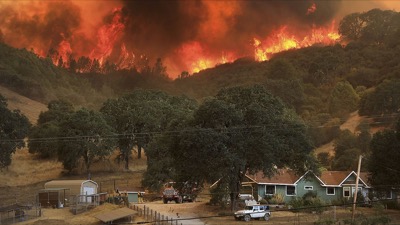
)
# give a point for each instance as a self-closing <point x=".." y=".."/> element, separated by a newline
<point x="351" y="124"/>
<point x="28" y="107"/>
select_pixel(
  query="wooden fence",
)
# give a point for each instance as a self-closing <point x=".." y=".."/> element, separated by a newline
<point x="153" y="216"/>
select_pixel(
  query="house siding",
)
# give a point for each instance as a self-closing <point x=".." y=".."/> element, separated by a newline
<point x="321" y="191"/>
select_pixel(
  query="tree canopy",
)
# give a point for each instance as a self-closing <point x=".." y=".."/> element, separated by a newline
<point x="383" y="164"/>
<point x="137" y="116"/>
<point x="87" y="136"/>
<point x="14" y="128"/>
<point x="43" y="136"/>
<point x="240" y="130"/>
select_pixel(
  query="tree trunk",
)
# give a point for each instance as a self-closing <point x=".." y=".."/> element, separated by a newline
<point x="139" y="151"/>
<point x="126" y="159"/>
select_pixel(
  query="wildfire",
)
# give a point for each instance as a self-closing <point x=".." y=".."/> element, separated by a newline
<point x="196" y="57"/>
<point x="105" y="39"/>
<point x="283" y="40"/>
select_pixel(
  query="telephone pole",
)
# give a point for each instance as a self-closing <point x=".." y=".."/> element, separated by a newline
<point x="355" y="191"/>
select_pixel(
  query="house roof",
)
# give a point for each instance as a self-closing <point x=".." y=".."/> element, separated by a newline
<point x="288" y="177"/>
<point x="283" y="176"/>
<point x="334" y="178"/>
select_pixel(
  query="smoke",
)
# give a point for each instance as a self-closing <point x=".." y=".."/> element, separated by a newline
<point x="157" y="27"/>
<point x="175" y="30"/>
<point x="40" y="26"/>
<point x="161" y="26"/>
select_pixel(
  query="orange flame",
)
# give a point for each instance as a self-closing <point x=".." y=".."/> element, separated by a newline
<point x="107" y="36"/>
<point x="196" y="57"/>
<point x="282" y="40"/>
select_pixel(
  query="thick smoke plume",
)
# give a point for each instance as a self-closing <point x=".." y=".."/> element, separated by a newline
<point x="179" y="32"/>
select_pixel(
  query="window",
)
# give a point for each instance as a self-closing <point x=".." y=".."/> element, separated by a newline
<point x="330" y="191"/>
<point x="383" y="194"/>
<point x="308" y="188"/>
<point x="270" y="189"/>
<point x="290" y="190"/>
<point x="346" y="191"/>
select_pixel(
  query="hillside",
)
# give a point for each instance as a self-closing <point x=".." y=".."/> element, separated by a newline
<point x="30" y="108"/>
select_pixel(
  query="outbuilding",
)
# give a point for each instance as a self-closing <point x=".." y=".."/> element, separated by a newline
<point x="57" y="192"/>
<point x="75" y="187"/>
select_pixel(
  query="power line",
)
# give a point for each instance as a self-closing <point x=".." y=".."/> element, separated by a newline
<point x="226" y="130"/>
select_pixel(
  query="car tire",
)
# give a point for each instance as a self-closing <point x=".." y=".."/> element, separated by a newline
<point x="266" y="217"/>
<point x="247" y="218"/>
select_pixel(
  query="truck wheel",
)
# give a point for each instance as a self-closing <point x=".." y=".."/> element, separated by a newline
<point x="266" y="217"/>
<point x="247" y="218"/>
<point x="165" y="201"/>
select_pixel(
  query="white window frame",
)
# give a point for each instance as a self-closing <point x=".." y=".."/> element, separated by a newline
<point x="391" y="195"/>
<point x="334" y="191"/>
<point x="266" y="190"/>
<point x="353" y="189"/>
<point x="344" y="191"/>
<point x="308" y="188"/>
<point x="294" y="190"/>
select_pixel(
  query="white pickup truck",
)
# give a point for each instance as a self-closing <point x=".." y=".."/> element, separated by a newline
<point x="253" y="212"/>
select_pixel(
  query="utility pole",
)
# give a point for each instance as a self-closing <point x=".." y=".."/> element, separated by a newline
<point x="355" y="191"/>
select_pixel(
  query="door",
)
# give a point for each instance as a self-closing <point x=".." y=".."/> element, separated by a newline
<point x="88" y="191"/>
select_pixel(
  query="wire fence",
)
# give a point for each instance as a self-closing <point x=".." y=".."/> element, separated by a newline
<point x="16" y="213"/>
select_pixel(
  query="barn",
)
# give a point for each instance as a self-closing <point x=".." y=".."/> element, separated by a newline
<point x="75" y="187"/>
<point x="58" y="193"/>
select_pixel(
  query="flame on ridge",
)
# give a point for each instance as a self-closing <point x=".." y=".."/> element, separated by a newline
<point x="283" y="40"/>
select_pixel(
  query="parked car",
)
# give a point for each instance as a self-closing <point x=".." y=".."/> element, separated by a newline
<point x="253" y="212"/>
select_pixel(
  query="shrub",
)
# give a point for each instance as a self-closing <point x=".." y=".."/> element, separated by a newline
<point x="310" y="202"/>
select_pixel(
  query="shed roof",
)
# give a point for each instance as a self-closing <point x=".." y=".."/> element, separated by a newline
<point x="116" y="214"/>
<point x="67" y="182"/>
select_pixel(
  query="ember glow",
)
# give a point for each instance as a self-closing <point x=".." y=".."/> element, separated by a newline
<point x="186" y="35"/>
<point x="283" y="40"/>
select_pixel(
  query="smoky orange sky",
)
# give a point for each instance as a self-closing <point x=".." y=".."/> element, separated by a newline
<point x="187" y="35"/>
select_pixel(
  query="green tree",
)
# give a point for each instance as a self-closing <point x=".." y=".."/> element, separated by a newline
<point x="85" y="135"/>
<point x="346" y="140"/>
<point x="138" y="115"/>
<point x="350" y="26"/>
<point x="385" y="99"/>
<point x="43" y="137"/>
<point x="343" y="99"/>
<point x="240" y="130"/>
<point x="281" y="69"/>
<point x="14" y="128"/>
<point x="383" y="164"/>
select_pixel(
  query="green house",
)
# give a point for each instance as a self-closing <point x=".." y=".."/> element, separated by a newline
<point x="286" y="185"/>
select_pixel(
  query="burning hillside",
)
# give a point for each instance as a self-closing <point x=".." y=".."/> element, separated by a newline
<point x="186" y="35"/>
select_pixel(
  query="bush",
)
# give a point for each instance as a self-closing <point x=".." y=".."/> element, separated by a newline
<point x="310" y="202"/>
<point x="276" y="199"/>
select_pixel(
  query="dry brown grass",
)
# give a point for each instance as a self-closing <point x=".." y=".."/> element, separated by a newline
<point x="28" y="107"/>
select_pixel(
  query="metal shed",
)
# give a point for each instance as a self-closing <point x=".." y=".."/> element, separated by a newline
<point x="75" y="187"/>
